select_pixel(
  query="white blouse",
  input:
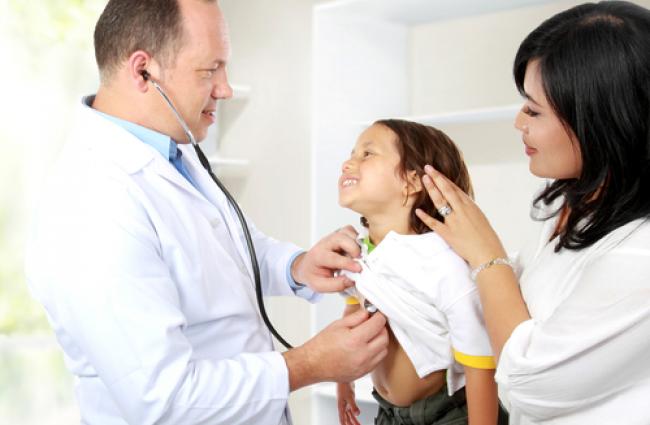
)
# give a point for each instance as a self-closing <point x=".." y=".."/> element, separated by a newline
<point x="584" y="356"/>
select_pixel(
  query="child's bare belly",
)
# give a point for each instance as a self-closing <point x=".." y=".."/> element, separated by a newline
<point x="396" y="381"/>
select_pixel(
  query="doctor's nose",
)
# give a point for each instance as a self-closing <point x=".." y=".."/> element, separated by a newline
<point x="222" y="88"/>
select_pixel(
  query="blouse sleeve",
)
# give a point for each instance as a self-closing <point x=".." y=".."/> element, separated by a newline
<point x="591" y="346"/>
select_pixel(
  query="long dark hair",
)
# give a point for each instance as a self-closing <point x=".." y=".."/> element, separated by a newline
<point x="595" y="67"/>
<point x="419" y="145"/>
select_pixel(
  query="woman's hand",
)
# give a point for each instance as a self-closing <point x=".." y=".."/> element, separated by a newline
<point x="348" y="409"/>
<point x="466" y="229"/>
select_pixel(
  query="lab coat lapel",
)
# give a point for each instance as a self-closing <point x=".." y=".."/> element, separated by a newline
<point x="206" y="205"/>
<point x="115" y="144"/>
<point x="218" y="199"/>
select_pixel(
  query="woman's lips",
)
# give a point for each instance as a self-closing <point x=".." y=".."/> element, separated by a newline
<point x="530" y="151"/>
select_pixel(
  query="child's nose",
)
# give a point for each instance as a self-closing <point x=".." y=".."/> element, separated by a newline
<point x="347" y="166"/>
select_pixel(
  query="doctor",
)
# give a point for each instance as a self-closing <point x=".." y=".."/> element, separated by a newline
<point x="140" y="261"/>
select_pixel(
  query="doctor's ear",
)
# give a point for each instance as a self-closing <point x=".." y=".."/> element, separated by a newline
<point x="138" y="65"/>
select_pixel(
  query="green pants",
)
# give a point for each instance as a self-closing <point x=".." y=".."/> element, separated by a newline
<point x="437" y="409"/>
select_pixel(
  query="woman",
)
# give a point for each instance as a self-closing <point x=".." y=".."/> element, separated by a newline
<point x="570" y="324"/>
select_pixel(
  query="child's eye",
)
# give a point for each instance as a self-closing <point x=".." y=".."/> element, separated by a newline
<point x="367" y="153"/>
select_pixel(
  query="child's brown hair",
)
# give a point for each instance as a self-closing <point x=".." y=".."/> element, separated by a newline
<point x="419" y="145"/>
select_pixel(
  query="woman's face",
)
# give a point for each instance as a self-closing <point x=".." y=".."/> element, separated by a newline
<point x="554" y="152"/>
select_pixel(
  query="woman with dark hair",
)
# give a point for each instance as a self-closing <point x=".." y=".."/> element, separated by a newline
<point x="569" y="321"/>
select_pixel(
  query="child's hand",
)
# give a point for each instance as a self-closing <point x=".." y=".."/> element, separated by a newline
<point x="348" y="409"/>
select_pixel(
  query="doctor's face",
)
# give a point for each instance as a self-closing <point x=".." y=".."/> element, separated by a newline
<point x="197" y="79"/>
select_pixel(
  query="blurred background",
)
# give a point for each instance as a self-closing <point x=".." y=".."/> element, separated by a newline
<point x="308" y="75"/>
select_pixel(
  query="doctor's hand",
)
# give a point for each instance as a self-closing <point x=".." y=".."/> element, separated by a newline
<point x="336" y="251"/>
<point x="342" y="352"/>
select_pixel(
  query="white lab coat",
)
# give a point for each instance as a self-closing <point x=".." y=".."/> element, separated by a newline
<point x="151" y="299"/>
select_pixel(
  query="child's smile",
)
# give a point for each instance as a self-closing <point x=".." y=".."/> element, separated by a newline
<point x="370" y="183"/>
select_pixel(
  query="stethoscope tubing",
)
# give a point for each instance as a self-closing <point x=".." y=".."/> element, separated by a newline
<point x="240" y="215"/>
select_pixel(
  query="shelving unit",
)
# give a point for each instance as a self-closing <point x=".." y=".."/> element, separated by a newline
<point x="469" y="116"/>
<point x="240" y="91"/>
<point x="229" y="167"/>
<point x="438" y="63"/>
<point x="224" y="166"/>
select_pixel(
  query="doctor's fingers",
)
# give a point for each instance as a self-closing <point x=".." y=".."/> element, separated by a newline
<point x="348" y="231"/>
<point x="337" y="261"/>
<point x="371" y="330"/>
<point x="333" y="284"/>
<point x="343" y="242"/>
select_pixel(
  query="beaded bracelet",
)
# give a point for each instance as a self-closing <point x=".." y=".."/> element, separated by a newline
<point x="496" y="261"/>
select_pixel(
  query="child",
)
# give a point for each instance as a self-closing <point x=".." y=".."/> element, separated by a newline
<point x="418" y="282"/>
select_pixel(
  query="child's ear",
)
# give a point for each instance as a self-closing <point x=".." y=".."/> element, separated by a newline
<point x="414" y="182"/>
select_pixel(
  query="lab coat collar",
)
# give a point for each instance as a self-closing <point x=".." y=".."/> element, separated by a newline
<point x="117" y="145"/>
<point x="121" y="147"/>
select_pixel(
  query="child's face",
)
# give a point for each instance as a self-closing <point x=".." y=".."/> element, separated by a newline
<point x="370" y="182"/>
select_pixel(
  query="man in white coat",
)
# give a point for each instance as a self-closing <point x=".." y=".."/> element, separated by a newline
<point x="141" y="263"/>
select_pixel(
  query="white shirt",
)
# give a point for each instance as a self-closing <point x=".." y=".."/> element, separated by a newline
<point x="423" y="287"/>
<point x="584" y="356"/>
<point x="150" y="297"/>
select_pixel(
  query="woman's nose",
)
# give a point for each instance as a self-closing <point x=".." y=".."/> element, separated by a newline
<point x="520" y="122"/>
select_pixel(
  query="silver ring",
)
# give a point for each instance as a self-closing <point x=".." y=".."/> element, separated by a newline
<point x="444" y="211"/>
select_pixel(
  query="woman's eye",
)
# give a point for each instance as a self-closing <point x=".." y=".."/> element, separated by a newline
<point x="208" y="73"/>
<point x="530" y="112"/>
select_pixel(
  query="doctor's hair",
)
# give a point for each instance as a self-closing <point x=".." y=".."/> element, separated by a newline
<point x="594" y="61"/>
<point x="126" y="26"/>
<point x="419" y="145"/>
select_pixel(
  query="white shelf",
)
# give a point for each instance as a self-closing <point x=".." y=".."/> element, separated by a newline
<point x="229" y="167"/>
<point x="468" y="116"/>
<point x="240" y="91"/>
<point x="413" y="12"/>
<point x="223" y="161"/>
<point x="362" y="390"/>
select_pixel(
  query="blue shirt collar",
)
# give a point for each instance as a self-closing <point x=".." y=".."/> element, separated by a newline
<point x="162" y="143"/>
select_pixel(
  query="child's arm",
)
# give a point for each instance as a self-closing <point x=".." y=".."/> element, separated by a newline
<point x="481" y="391"/>
<point x="346" y="403"/>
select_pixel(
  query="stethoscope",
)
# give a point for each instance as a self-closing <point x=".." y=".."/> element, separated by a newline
<point x="249" y="241"/>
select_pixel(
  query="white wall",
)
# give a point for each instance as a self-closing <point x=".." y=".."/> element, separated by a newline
<point x="271" y="52"/>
